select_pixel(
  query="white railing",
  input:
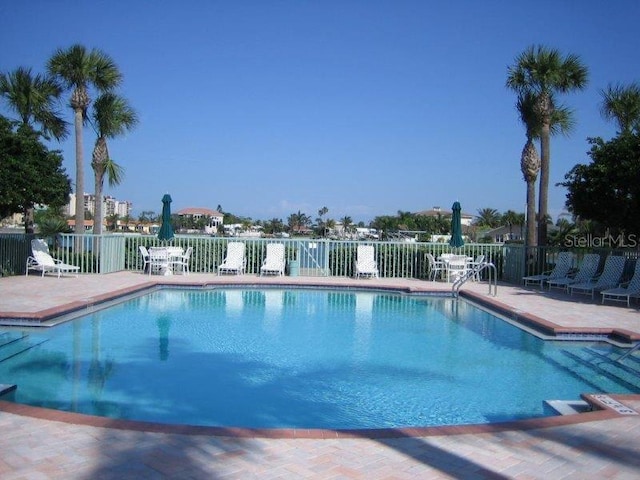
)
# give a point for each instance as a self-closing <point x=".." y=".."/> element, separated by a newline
<point x="305" y="257"/>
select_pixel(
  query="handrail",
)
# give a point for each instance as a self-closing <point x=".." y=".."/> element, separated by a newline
<point x="629" y="353"/>
<point x="455" y="288"/>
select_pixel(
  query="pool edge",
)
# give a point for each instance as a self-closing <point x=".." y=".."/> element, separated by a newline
<point x="602" y="412"/>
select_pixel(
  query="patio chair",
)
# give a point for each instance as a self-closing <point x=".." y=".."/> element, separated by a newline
<point x="475" y="265"/>
<point x="145" y="258"/>
<point x="42" y="261"/>
<point x="159" y="261"/>
<point x="625" y="290"/>
<point x="435" y="267"/>
<point x="235" y="261"/>
<point x="182" y="262"/>
<point x="609" y="278"/>
<point x="586" y="273"/>
<point x="561" y="269"/>
<point x="274" y="262"/>
<point x="457" y="267"/>
<point x="366" y="265"/>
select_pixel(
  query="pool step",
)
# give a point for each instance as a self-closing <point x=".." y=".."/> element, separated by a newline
<point x="606" y="365"/>
<point x="12" y="344"/>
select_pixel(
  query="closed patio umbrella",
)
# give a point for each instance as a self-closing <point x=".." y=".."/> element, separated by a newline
<point x="456" y="226"/>
<point x="166" y="230"/>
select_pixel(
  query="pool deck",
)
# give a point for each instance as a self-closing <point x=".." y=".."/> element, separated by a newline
<point x="605" y="443"/>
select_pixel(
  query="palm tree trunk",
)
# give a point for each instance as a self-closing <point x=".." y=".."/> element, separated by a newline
<point x="79" y="229"/>
<point x="543" y="210"/>
<point x="531" y="214"/>
<point x="97" y="217"/>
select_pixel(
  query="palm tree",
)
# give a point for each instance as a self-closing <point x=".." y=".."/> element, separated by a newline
<point x="112" y="116"/>
<point x="33" y="98"/>
<point x="510" y="218"/>
<point x="78" y="69"/>
<point x="622" y="104"/>
<point x="488" y="217"/>
<point x="542" y="72"/>
<point x="297" y="221"/>
<point x="347" y="223"/>
<point x="561" y="122"/>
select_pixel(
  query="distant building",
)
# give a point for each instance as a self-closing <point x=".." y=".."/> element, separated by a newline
<point x="465" y="218"/>
<point x="502" y="234"/>
<point x="110" y="206"/>
<point x="214" y="218"/>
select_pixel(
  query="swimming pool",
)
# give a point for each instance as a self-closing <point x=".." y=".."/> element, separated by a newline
<point x="301" y="358"/>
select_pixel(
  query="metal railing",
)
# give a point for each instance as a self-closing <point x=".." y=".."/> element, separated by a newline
<point x="306" y="257"/>
<point x="473" y="274"/>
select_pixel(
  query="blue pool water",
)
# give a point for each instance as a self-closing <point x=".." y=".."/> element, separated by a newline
<point x="301" y="358"/>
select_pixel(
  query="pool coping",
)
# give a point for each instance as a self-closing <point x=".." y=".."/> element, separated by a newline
<point x="603" y="410"/>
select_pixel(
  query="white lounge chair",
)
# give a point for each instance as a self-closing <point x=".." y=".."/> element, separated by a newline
<point x="366" y="265"/>
<point x="43" y="262"/>
<point x="586" y="273"/>
<point x="235" y="261"/>
<point x="435" y="267"/>
<point x="561" y="269"/>
<point x="274" y="262"/>
<point x="610" y="277"/>
<point x="626" y="290"/>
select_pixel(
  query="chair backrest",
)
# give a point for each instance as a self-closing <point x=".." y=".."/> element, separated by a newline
<point x="634" y="283"/>
<point x="158" y="254"/>
<point x="187" y="254"/>
<point x="431" y="259"/>
<point x="479" y="259"/>
<point x="563" y="265"/>
<point x="235" y="253"/>
<point x="612" y="272"/>
<point x="39" y="245"/>
<point x="43" y="258"/>
<point x="588" y="268"/>
<point x="366" y="256"/>
<point x="275" y="254"/>
<point x="144" y="252"/>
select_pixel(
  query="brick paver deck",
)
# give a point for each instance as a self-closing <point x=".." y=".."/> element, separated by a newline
<point x="40" y="443"/>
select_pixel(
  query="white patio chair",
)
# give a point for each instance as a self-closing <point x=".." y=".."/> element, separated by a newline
<point x="42" y="261"/>
<point x="182" y="261"/>
<point x="475" y="264"/>
<point x="435" y="267"/>
<point x="626" y="290"/>
<point x="610" y="277"/>
<point x="561" y="269"/>
<point x="457" y="267"/>
<point x="366" y="265"/>
<point x="235" y="261"/>
<point x="586" y="273"/>
<point x="159" y="261"/>
<point x="274" y="261"/>
<point x="145" y="258"/>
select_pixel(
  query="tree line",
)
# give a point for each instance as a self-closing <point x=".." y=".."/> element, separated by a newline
<point x="605" y="193"/>
<point x="34" y="99"/>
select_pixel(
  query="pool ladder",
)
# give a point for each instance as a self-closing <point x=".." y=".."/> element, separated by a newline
<point x="475" y="273"/>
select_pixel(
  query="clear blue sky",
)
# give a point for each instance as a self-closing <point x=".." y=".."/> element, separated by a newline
<point x="366" y="107"/>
